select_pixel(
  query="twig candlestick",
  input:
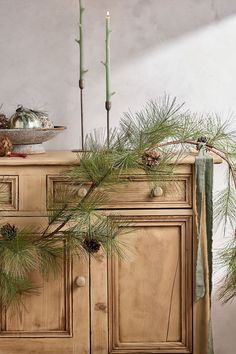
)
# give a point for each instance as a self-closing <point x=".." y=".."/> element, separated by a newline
<point x="80" y="41"/>
<point x="107" y="65"/>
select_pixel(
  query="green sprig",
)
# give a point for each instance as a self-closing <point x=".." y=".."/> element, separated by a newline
<point x="163" y="125"/>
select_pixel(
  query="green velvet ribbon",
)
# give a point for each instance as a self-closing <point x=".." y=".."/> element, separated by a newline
<point x="204" y="191"/>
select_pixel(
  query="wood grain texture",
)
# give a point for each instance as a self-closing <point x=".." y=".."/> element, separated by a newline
<point x="99" y="305"/>
<point x="9" y="190"/>
<point x="68" y="158"/>
<point x="50" y="158"/>
<point x="135" y="192"/>
<point x="140" y="304"/>
<point x="55" y="321"/>
<point x="49" y="314"/>
<point x="27" y="189"/>
<point x="150" y="293"/>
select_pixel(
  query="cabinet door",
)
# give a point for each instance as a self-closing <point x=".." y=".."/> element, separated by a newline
<point x="148" y="304"/>
<point x="54" y="322"/>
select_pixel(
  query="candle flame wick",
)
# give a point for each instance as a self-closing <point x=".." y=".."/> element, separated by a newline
<point x="108" y="13"/>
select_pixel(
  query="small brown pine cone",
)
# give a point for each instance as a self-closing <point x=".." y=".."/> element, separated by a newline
<point x="202" y="139"/>
<point x="4" y="122"/>
<point x="5" y="146"/>
<point x="151" y="158"/>
<point x="91" y="245"/>
<point x="8" y="232"/>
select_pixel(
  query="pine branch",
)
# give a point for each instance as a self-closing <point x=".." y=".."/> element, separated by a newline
<point x="209" y="148"/>
<point x="225" y="206"/>
<point x="76" y="226"/>
<point x="227" y="291"/>
<point x="13" y="289"/>
<point x="57" y="214"/>
<point x="50" y="253"/>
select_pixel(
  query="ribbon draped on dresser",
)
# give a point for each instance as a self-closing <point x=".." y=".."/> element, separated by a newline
<point x="203" y="252"/>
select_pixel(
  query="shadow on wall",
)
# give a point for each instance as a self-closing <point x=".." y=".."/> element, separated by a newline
<point x="141" y="24"/>
<point x="224" y="325"/>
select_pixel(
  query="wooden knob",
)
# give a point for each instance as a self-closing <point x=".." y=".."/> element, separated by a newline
<point x="157" y="192"/>
<point x="82" y="192"/>
<point x="80" y="282"/>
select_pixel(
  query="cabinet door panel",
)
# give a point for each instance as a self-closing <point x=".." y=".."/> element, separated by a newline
<point x="56" y="320"/>
<point x="48" y="314"/>
<point x="150" y="293"/>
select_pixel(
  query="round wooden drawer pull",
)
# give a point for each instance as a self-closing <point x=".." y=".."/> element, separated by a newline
<point x="82" y="192"/>
<point x="157" y="192"/>
<point x="80" y="282"/>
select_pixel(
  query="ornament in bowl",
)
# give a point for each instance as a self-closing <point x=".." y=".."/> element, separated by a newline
<point x="28" y="129"/>
<point x="45" y="121"/>
<point x="30" y="118"/>
<point x="25" y="118"/>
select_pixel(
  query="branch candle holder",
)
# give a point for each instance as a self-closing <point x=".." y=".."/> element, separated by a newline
<point x="107" y="65"/>
<point x="80" y="41"/>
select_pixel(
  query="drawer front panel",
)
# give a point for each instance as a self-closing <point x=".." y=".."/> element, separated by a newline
<point x="136" y="192"/>
<point x="9" y="186"/>
<point x="139" y="192"/>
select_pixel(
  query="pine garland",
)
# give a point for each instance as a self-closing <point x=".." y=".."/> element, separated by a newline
<point x="146" y="140"/>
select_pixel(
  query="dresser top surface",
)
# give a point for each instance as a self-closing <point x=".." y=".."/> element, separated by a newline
<point x="62" y="158"/>
<point x="66" y="158"/>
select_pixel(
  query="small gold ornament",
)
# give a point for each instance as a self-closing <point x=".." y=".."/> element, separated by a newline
<point x="5" y="146"/>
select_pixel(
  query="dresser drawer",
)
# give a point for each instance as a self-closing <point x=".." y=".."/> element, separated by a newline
<point x="135" y="192"/>
<point x="139" y="192"/>
<point x="9" y="186"/>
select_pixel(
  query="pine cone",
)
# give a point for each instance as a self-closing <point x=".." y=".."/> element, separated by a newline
<point x="151" y="158"/>
<point x="202" y="139"/>
<point x="91" y="245"/>
<point x="5" y="146"/>
<point x="8" y="232"/>
<point x="4" y="122"/>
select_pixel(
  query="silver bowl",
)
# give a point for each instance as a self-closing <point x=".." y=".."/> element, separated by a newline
<point x="29" y="141"/>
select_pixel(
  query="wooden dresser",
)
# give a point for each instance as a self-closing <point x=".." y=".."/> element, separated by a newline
<point x="140" y="304"/>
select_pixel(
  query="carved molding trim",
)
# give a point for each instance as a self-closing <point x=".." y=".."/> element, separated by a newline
<point x="184" y="345"/>
<point x="66" y="312"/>
<point x="177" y="193"/>
<point x="9" y="189"/>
